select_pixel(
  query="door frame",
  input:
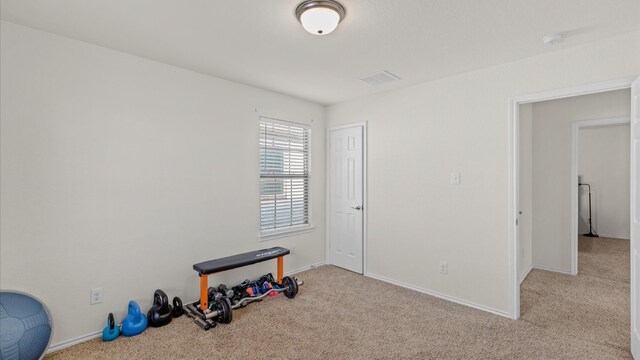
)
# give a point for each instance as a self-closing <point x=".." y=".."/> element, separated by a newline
<point x="365" y="203"/>
<point x="513" y="168"/>
<point x="575" y="128"/>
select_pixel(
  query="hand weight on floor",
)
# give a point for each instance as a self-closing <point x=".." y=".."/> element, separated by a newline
<point x="160" y="313"/>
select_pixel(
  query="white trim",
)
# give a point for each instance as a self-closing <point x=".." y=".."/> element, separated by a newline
<point x="285" y="232"/>
<point x="365" y="202"/>
<point x="586" y="89"/>
<point x="513" y="104"/>
<point x="575" y="193"/>
<point x="365" y="199"/>
<point x="75" y="341"/>
<point x="614" y="236"/>
<point x="552" y="269"/>
<point x="347" y="126"/>
<point x="514" y="241"/>
<point x="305" y="268"/>
<point x="284" y="122"/>
<point x="634" y="244"/>
<point x="327" y="213"/>
<point x="439" y="295"/>
<point x="526" y="273"/>
<point x="619" y="120"/>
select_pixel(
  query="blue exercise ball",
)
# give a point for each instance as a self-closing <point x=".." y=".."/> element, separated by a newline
<point x="25" y="326"/>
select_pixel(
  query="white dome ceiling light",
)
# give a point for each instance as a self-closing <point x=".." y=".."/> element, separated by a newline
<point x="320" y="17"/>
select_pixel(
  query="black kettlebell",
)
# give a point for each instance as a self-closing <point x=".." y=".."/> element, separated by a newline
<point x="178" y="310"/>
<point x="160" y="313"/>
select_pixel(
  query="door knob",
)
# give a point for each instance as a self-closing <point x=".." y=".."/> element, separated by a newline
<point x="358" y="207"/>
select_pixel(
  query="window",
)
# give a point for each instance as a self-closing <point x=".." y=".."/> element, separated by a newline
<point x="284" y="176"/>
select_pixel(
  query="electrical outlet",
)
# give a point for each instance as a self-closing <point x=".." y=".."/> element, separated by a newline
<point x="293" y="249"/>
<point x="444" y="267"/>
<point x="96" y="296"/>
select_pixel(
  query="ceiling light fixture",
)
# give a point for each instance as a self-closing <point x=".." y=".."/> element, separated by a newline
<point x="320" y="17"/>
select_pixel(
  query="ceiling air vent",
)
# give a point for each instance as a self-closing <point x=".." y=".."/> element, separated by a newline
<point x="380" y="78"/>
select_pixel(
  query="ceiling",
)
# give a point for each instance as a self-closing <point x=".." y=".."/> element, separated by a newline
<point x="260" y="42"/>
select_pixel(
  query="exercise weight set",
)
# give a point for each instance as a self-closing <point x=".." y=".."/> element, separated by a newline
<point x="216" y="305"/>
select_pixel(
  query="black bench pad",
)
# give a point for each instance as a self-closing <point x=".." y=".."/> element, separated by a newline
<point x="240" y="260"/>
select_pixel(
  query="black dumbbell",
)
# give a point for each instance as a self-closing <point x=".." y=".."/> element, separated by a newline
<point x="222" y="288"/>
<point x="214" y="295"/>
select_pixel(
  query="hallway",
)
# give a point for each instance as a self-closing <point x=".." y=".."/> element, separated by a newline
<point x="592" y="306"/>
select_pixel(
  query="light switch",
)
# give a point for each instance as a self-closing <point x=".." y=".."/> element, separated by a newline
<point x="455" y="178"/>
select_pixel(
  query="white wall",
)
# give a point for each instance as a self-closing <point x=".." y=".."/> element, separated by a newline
<point x="603" y="162"/>
<point x="525" y="201"/>
<point x="120" y="172"/>
<point x="420" y="134"/>
<point x="552" y="170"/>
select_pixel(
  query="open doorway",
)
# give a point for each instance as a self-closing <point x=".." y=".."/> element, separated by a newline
<point x="548" y="174"/>
<point x="600" y="199"/>
<point x="519" y="112"/>
<point x="547" y="207"/>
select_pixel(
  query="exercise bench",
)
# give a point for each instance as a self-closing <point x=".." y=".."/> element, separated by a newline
<point x="205" y="313"/>
<point x="207" y="268"/>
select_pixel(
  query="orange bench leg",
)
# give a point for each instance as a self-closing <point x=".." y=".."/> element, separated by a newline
<point x="280" y="269"/>
<point x="204" y="292"/>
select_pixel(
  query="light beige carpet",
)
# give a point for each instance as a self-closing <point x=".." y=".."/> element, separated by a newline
<point x="340" y="315"/>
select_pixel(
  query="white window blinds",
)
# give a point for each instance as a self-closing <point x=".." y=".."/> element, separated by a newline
<point x="284" y="174"/>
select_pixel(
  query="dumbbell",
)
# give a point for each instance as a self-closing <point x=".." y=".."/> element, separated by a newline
<point x="266" y="286"/>
<point x="214" y="295"/>
<point x="291" y="286"/>
<point x="265" y="278"/>
<point x="238" y="294"/>
<point x="229" y="293"/>
<point x="253" y="290"/>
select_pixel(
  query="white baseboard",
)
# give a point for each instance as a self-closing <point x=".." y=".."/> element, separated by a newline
<point x="97" y="334"/>
<point x="614" y="236"/>
<point x="524" y="276"/>
<point x="312" y="266"/>
<point x="439" y="295"/>
<point x="552" y="269"/>
<point x="76" y="341"/>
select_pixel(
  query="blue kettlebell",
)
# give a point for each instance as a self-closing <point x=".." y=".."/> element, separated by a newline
<point x="111" y="331"/>
<point x="135" y="322"/>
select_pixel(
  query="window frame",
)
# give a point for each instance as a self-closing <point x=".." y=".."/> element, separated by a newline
<point x="276" y="233"/>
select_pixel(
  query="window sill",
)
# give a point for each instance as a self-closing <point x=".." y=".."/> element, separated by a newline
<point x="276" y="234"/>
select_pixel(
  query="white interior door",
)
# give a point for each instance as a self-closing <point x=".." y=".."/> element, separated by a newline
<point x="635" y="219"/>
<point x="345" y="194"/>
